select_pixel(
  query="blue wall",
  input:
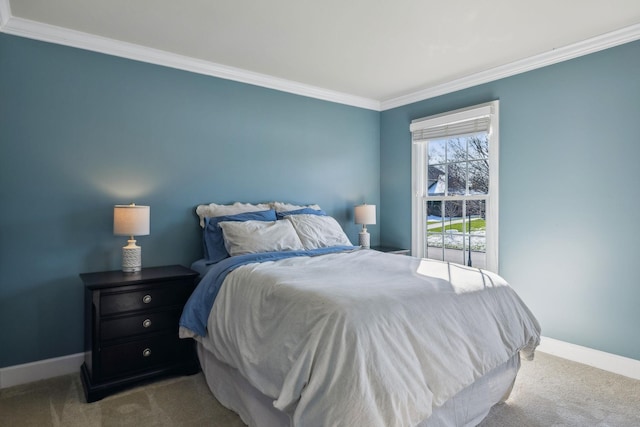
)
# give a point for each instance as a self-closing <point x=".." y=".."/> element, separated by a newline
<point x="82" y="131"/>
<point x="569" y="197"/>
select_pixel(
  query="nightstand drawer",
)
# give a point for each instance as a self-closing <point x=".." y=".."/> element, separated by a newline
<point x="120" y="327"/>
<point x="171" y="293"/>
<point x="142" y="354"/>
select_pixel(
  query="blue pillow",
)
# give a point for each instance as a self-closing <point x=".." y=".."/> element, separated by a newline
<point x="307" y="211"/>
<point x="213" y="240"/>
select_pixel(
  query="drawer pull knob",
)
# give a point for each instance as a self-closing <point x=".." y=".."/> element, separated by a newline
<point x="146" y="323"/>
<point x="146" y="352"/>
<point x="146" y="299"/>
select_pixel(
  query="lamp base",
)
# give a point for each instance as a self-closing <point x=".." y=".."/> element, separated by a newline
<point x="131" y="257"/>
<point x="364" y="239"/>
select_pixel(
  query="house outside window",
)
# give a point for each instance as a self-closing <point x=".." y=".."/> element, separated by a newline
<point x="455" y="186"/>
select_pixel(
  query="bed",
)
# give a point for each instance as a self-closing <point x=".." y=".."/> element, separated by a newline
<point x="296" y="327"/>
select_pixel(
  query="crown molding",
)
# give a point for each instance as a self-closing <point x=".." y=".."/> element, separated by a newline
<point x="53" y="34"/>
<point x="585" y="47"/>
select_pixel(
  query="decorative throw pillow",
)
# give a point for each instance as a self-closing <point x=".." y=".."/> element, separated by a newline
<point x="283" y="207"/>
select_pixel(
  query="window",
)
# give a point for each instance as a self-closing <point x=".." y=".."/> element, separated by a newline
<point x="455" y="186"/>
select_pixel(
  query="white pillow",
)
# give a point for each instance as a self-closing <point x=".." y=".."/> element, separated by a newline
<point x="285" y="207"/>
<point x="252" y="236"/>
<point x="213" y="210"/>
<point x="316" y="231"/>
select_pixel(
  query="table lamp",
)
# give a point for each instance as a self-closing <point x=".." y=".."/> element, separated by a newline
<point x="365" y="214"/>
<point x="131" y="220"/>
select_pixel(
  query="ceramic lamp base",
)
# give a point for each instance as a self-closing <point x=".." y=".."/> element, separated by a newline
<point x="364" y="239"/>
<point x="131" y="257"/>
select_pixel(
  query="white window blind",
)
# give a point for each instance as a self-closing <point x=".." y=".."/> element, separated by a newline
<point x="459" y="123"/>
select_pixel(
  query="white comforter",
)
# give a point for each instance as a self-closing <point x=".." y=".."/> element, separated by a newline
<point x="365" y="338"/>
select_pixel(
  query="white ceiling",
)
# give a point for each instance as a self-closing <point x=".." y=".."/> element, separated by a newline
<point x="377" y="50"/>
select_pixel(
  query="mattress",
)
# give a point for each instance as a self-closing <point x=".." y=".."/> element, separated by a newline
<point x="466" y="409"/>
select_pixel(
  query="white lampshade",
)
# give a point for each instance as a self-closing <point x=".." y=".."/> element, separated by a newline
<point x="130" y="220"/>
<point x="365" y="214"/>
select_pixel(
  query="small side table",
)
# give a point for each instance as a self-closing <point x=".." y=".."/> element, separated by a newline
<point x="131" y="328"/>
<point x="391" y="250"/>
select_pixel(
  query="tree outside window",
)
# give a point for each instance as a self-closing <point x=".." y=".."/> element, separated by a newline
<point x="455" y="193"/>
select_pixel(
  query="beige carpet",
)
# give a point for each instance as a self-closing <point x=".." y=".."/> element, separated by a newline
<point x="549" y="392"/>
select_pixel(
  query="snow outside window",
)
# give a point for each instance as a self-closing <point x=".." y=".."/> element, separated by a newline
<point x="455" y="186"/>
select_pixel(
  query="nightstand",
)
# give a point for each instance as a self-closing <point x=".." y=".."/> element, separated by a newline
<point x="391" y="250"/>
<point x="131" y="328"/>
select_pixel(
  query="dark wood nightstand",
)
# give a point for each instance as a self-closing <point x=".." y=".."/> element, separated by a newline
<point x="391" y="250"/>
<point x="131" y="328"/>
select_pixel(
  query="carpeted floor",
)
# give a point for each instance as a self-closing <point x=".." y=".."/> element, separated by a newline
<point x="548" y="392"/>
<point x="551" y="391"/>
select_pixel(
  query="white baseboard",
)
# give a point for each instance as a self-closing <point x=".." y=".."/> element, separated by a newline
<point x="588" y="356"/>
<point x="40" y="370"/>
<point x="49" y="368"/>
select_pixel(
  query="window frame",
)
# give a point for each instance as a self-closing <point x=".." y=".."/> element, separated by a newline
<point x="419" y="177"/>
